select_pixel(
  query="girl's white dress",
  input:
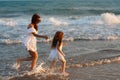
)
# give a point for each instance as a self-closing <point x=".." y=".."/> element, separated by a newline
<point x="30" y="40"/>
<point x="56" y="55"/>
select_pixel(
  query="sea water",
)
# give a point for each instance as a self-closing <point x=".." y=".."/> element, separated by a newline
<point x="78" y="19"/>
<point x="86" y="20"/>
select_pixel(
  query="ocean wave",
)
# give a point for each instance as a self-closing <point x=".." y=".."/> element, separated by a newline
<point x="104" y="18"/>
<point x="58" y="22"/>
<point x="100" y="57"/>
<point x="97" y="27"/>
<point x="10" y="41"/>
<point x="110" y="18"/>
<point x="68" y="39"/>
<point x="97" y="62"/>
<point x="12" y="22"/>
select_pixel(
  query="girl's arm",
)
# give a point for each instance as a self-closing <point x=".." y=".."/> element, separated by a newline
<point x="40" y="36"/>
<point x="65" y="44"/>
<point x="60" y="49"/>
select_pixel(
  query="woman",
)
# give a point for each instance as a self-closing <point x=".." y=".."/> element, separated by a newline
<point x="30" y="41"/>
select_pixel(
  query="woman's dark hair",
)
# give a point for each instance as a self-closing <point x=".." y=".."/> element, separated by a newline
<point x="57" y="39"/>
<point x="35" y="20"/>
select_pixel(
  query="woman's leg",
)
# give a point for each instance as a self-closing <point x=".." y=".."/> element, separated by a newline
<point x="19" y="60"/>
<point x="34" y="58"/>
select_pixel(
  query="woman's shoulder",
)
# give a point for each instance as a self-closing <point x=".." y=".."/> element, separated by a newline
<point x="30" y="26"/>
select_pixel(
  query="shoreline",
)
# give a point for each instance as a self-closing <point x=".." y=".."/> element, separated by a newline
<point x="90" y="70"/>
<point x="96" y="72"/>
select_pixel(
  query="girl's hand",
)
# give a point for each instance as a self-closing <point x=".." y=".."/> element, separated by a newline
<point x="65" y="44"/>
<point x="62" y="54"/>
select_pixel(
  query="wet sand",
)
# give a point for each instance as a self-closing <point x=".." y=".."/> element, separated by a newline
<point x="93" y="69"/>
<point x="98" y="72"/>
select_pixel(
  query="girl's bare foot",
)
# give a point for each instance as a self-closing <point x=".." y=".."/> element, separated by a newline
<point x="18" y="63"/>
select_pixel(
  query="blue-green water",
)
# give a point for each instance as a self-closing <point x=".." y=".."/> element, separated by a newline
<point x="78" y="19"/>
<point x="60" y="7"/>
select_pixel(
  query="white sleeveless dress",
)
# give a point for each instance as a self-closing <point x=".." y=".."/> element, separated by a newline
<point x="30" y="40"/>
<point x="56" y="55"/>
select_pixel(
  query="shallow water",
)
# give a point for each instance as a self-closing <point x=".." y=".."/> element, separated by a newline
<point x="99" y="72"/>
<point x="80" y="55"/>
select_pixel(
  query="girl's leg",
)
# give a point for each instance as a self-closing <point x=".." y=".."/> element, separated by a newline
<point x="63" y="65"/>
<point x="53" y="64"/>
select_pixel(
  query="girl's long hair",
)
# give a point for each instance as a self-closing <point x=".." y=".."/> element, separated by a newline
<point x="34" y="20"/>
<point x="57" y="39"/>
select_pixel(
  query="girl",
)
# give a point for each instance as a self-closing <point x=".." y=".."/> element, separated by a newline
<point x="30" y="41"/>
<point x="56" y="51"/>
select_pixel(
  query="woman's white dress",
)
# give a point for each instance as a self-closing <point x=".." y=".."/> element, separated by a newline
<point x="56" y="55"/>
<point x="30" y="40"/>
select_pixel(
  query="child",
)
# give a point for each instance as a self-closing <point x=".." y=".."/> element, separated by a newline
<point x="30" y="41"/>
<point x="56" y="51"/>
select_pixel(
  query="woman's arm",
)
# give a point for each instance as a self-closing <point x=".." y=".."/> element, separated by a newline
<point x="36" y="35"/>
<point x="40" y="36"/>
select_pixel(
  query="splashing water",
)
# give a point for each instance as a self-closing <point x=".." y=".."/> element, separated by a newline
<point x="14" y="66"/>
<point x="38" y="69"/>
<point x="38" y="73"/>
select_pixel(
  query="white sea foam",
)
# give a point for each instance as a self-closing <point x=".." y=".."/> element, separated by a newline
<point x="12" y="22"/>
<point x="110" y="18"/>
<point x="57" y="22"/>
<point x="8" y="22"/>
<point x="10" y="41"/>
<point x="97" y="27"/>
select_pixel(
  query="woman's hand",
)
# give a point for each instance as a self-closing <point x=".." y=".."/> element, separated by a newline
<point x="46" y="37"/>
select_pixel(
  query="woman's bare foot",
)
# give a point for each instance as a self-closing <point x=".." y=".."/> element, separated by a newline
<point x="65" y="73"/>
<point x="18" y="63"/>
